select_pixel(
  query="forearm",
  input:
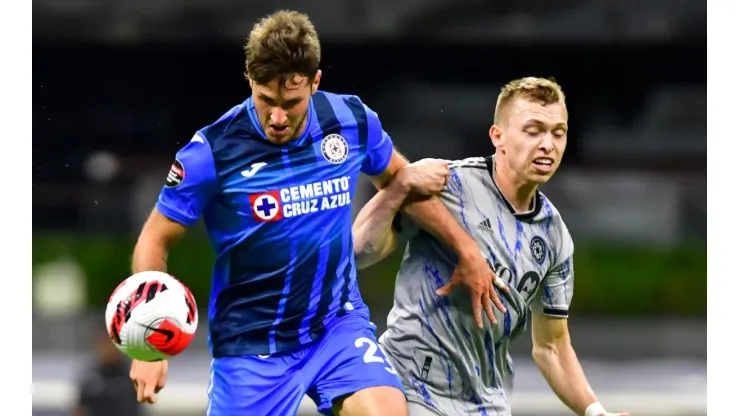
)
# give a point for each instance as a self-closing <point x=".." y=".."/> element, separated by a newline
<point x="149" y="256"/>
<point x="432" y="216"/>
<point x="564" y="374"/>
<point x="372" y="230"/>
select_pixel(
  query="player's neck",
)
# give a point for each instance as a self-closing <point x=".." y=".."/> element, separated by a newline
<point x="519" y="193"/>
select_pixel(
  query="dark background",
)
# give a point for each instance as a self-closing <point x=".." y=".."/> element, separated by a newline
<point x="119" y="86"/>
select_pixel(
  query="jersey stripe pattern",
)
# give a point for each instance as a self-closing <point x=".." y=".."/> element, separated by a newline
<point x="279" y="219"/>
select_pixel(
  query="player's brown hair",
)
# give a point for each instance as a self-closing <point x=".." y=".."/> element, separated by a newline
<point x="541" y="90"/>
<point x="282" y="45"/>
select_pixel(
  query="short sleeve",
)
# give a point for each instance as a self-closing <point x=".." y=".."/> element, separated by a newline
<point x="190" y="184"/>
<point x="379" y="146"/>
<point x="555" y="294"/>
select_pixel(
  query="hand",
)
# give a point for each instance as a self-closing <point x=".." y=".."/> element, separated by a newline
<point x="426" y="176"/>
<point x="148" y="378"/>
<point x="474" y="272"/>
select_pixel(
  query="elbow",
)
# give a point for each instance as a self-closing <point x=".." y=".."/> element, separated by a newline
<point x="361" y="244"/>
<point x="365" y="259"/>
<point x="366" y="254"/>
<point x="544" y="354"/>
<point x="541" y="355"/>
<point x="368" y="243"/>
<point x="370" y="251"/>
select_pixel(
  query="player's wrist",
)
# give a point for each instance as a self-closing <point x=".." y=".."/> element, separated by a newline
<point x="402" y="182"/>
<point x="466" y="248"/>
<point x="594" y="409"/>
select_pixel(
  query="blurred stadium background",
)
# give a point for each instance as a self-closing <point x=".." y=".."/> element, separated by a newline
<point x="120" y="85"/>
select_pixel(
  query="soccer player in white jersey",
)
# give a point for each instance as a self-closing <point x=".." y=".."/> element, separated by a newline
<point x="447" y="364"/>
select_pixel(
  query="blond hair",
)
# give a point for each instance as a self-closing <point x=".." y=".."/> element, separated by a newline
<point x="541" y="90"/>
<point x="282" y="45"/>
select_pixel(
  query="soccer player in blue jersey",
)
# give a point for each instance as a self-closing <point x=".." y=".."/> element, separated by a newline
<point x="273" y="179"/>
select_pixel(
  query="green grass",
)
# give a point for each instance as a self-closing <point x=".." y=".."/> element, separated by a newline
<point x="610" y="279"/>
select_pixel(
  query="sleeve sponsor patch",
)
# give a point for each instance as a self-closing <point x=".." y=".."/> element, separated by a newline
<point x="176" y="174"/>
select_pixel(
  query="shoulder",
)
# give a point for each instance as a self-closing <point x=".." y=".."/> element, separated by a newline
<point x="468" y="163"/>
<point x="337" y="99"/>
<point x="347" y="108"/>
<point x="467" y="182"/>
<point x="468" y="168"/>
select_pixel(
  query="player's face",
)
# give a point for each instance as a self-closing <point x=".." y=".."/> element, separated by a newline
<point x="532" y="139"/>
<point x="282" y="106"/>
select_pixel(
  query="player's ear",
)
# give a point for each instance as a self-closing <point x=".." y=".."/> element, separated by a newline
<point x="496" y="135"/>
<point x="316" y="82"/>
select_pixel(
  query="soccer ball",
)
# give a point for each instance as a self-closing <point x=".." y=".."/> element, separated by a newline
<point x="151" y="316"/>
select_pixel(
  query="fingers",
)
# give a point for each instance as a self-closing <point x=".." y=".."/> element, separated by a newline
<point x="149" y="395"/>
<point x="162" y="380"/>
<point x="487" y="305"/>
<point x="446" y="289"/>
<point x="499" y="283"/>
<point x="477" y="312"/>
<point x="496" y="301"/>
<point x="139" y="391"/>
<point x="147" y="392"/>
<point x="428" y="176"/>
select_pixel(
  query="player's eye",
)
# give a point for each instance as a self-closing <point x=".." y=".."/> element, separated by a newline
<point x="290" y="104"/>
<point x="559" y="133"/>
<point x="268" y="101"/>
<point x="532" y="131"/>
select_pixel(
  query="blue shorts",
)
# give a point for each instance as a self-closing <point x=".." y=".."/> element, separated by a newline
<point x="345" y="360"/>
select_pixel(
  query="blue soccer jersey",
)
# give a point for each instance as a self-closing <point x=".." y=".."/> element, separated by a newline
<point x="279" y="219"/>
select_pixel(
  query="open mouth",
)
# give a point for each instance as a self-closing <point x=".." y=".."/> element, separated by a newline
<point x="544" y="163"/>
<point x="279" y="129"/>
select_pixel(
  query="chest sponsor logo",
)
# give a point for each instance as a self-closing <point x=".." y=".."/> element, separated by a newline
<point x="300" y="200"/>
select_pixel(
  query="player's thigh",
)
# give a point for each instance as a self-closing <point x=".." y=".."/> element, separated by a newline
<point x="372" y="401"/>
<point x="349" y="369"/>
<point x="253" y="385"/>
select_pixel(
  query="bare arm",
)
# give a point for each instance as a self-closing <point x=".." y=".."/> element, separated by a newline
<point x="374" y="238"/>
<point x="429" y="213"/>
<point x="157" y="237"/>
<point x="559" y="364"/>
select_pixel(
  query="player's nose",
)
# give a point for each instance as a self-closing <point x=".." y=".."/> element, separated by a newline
<point x="278" y="116"/>
<point x="547" y="143"/>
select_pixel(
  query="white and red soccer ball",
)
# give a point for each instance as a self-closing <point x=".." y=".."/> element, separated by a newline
<point x="151" y="316"/>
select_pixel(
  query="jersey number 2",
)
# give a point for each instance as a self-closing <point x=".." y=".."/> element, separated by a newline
<point x="370" y="356"/>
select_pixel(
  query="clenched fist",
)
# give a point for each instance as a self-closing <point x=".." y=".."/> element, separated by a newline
<point x="426" y="176"/>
